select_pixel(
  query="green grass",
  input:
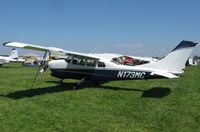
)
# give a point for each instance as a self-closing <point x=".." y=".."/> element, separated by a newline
<point x="153" y="105"/>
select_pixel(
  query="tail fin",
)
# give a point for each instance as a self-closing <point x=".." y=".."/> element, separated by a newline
<point x="14" y="54"/>
<point x="175" y="61"/>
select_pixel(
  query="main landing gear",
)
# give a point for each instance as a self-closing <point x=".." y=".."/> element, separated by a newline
<point x="77" y="85"/>
<point x="83" y="82"/>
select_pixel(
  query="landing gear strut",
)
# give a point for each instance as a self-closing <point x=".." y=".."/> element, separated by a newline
<point x="82" y="81"/>
<point x="61" y="81"/>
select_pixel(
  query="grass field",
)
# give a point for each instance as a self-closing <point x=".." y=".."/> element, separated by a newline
<point x="153" y="105"/>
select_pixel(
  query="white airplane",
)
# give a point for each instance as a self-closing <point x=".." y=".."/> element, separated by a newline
<point x="12" y="58"/>
<point x="97" y="68"/>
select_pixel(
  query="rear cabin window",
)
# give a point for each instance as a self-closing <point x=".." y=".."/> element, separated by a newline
<point x="126" y="60"/>
<point x="101" y="64"/>
<point x="91" y="62"/>
<point x="83" y="62"/>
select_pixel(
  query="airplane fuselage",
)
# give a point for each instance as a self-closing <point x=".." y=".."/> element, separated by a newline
<point x="110" y="71"/>
<point x="4" y="60"/>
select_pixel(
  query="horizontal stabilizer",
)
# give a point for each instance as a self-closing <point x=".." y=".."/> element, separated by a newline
<point x="164" y="74"/>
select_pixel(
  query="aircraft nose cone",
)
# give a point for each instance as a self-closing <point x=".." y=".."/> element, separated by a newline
<point x="57" y="64"/>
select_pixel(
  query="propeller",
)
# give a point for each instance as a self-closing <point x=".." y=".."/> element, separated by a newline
<point x="41" y="68"/>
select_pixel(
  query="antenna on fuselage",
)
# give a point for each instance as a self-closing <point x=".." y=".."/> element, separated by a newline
<point x="95" y="50"/>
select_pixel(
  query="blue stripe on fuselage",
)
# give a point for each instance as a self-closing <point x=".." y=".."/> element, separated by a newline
<point x="101" y="74"/>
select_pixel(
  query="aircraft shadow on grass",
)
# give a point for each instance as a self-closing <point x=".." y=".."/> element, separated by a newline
<point x="155" y="92"/>
<point x="9" y="67"/>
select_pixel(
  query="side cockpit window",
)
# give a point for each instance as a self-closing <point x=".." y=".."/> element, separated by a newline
<point x="78" y="61"/>
<point x="81" y="61"/>
<point x="91" y="62"/>
<point x="68" y="60"/>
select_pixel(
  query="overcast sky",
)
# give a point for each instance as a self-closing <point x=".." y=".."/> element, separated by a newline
<point x="136" y="27"/>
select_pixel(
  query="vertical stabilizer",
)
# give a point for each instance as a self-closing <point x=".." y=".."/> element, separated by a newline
<point x="175" y="61"/>
<point x="14" y="54"/>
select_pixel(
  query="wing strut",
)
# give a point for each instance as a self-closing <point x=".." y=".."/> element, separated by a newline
<point x="40" y="68"/>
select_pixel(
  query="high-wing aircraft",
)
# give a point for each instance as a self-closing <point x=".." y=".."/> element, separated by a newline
<point x="106" y="67"/>
<point x="12" y="58"/>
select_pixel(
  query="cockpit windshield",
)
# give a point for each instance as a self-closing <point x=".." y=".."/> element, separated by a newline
<point x="127" y="60"/>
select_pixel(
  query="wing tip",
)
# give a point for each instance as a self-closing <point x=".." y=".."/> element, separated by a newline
<point x="5" y="44"/>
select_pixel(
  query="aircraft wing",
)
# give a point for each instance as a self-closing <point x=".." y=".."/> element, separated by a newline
<point x="50" y="49"/>
<point x="164" y="74"/>
<point x="30" y="46"/>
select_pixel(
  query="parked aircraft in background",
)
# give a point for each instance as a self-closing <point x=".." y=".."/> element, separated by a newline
<point x="192" y="61"/>
<point x="106" y="67"/>
<point x="12" y="58"/>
